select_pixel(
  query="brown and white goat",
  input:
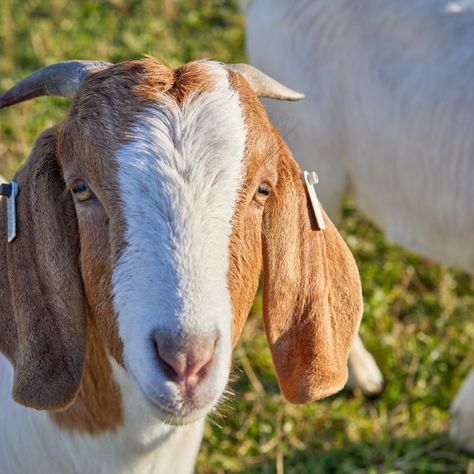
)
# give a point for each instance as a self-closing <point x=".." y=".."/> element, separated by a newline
<point x="144" y="221"/>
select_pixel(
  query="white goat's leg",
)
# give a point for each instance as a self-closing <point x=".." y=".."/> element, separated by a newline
<point x="462" y="415"/>
<point x="363" y="370"/>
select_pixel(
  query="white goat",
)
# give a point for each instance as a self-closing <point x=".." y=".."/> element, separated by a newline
<point x="143" y="222"/>
<point x="388" y="116"/>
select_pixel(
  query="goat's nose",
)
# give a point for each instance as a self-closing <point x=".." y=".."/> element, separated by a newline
<point x="185" y="367"/>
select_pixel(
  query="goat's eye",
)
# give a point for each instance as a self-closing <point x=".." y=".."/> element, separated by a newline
<point x="82" y="191"/>
<point x="262" y="193"/>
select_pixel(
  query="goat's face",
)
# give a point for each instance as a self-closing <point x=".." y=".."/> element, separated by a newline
<point x="175" y="176"/>
<point x="155" y="191"/>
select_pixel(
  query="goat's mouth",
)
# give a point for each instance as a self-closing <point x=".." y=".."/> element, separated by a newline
<point x="176" y="417"/>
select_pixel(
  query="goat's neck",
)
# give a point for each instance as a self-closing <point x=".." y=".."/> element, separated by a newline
<point x="141" y="443"/>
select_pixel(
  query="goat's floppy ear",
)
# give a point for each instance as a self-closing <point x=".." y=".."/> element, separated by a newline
<point x="312" y="292"/>
<point x="42" y="316"/>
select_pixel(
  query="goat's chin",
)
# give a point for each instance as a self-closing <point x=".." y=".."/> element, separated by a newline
<point x="179" y="420"/>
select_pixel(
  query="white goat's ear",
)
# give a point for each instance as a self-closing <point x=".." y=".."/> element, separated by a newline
<point x="263" y="85"/>
<point x="312" y="302"/>
<point x="42" y="313"/>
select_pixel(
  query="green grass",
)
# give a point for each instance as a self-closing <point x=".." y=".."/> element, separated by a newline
<point x="418" y="318"/>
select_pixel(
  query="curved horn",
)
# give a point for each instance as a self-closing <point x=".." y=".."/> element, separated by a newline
<point x="61" y="79"/>
<point x="263" y="85"/>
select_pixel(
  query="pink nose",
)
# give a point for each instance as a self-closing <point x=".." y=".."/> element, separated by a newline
<point x="185" y="367"/>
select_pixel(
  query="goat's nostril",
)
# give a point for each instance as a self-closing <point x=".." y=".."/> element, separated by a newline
<point x="185" y="367"/>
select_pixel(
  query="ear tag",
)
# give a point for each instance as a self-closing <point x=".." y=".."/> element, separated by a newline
<point x="311" y="179"/>
<point x="11" y="192"/>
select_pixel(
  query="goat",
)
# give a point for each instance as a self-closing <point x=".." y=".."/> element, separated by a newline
<point x="144" y="220"/>
<point x="388" y="116"/>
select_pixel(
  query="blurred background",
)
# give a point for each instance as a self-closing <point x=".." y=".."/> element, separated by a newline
<point x="419" y="317"/>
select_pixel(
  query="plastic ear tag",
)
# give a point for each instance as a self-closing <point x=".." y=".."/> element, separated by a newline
<point x="311" y="179"/>
<point x="11" y="192"/>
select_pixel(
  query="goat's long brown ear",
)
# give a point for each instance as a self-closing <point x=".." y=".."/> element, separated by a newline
<point x="312" y="292"/>
<point x="42" y="317"/>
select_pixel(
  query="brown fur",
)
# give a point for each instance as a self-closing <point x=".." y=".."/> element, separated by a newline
<point x="98" y="406"/>
<point x="41" y="300"/>
<point x="260" y="157"/>
<point x="312" y="293"/>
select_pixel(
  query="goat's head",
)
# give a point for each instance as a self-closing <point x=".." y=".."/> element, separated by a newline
<point x="149" y="213"/>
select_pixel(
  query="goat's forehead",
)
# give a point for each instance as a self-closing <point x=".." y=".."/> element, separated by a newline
<point x="113" y="104"/>
<point x="194" y="138"/>
<point x="131" y="86"/>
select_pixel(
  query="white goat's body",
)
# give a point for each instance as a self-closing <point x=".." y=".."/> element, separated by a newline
<point x="388" y="116"/>
<point x="388" y="113"/>
<point x="30" y="441"/>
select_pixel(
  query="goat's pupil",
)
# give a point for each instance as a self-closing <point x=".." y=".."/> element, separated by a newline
<point x="263" y="189"/>
<point x="80" y="188"/>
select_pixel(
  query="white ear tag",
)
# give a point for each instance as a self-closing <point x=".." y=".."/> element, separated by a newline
<point x="11" y="192"/>
<point x="311" y="179"/>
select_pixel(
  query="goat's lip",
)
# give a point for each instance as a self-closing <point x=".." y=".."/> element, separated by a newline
<point x="172" y="417"/>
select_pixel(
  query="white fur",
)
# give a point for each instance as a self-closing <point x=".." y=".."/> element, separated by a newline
<point x="179" y="179"/>
<point x="31" y="443"/>
<point x="388" y="110"/>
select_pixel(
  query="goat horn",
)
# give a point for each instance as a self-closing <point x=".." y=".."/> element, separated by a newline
<point x="61" y="79"/>
<point x="263" y="85"/>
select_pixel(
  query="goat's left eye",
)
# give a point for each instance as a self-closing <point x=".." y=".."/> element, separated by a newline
<point x="263" y="189"/>
<point x="82" y="191"/>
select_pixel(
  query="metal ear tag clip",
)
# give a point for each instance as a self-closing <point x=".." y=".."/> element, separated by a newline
<point x="311" y="179"/>
<point x="10" y="190"/>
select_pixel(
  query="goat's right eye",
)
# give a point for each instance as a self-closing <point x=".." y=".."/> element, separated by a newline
<point x="261" y="193"/>
<point x="82" y="191"/>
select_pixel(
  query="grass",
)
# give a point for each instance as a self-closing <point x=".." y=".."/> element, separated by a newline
<point x="418" y="318"/>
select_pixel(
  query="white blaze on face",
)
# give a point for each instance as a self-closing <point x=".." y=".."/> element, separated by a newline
<point x="179" y="181"/>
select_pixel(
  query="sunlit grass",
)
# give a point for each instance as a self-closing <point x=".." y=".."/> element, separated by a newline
<point x="419" y="317"/>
